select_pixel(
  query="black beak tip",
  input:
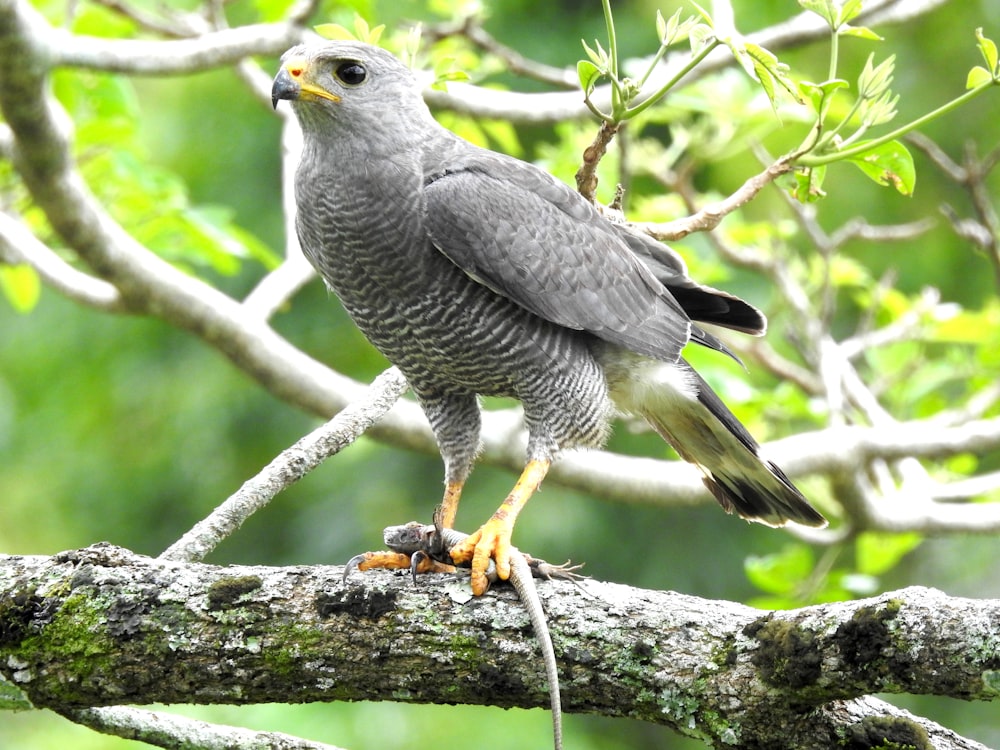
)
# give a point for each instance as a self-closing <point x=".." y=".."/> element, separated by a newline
<point x="283" y="88"/>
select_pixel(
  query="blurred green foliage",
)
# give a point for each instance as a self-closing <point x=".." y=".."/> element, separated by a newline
<point x="125" y="430"/>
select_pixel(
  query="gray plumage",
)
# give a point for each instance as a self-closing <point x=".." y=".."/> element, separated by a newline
<point x="478" y="274"/>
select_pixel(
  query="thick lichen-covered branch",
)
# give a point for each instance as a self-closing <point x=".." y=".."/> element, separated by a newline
<point x="81" y="629"/>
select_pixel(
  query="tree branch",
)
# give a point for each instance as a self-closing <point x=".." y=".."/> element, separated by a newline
<point x="19" y="245"/>
<point x="288" y="467"/>
<point x="172" y="731"/>
<point x="559" y="106"/>
<point x="212" y="49"/>
<point x="81" y="629"/>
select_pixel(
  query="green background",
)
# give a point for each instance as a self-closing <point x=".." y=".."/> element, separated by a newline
<point x="126" y="430"/>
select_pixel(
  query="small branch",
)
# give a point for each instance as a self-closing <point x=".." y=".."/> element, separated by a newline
<point x="966" y="489"/>
<point x="906" y="328"/>
<point x="983" y="231"/>
<point x="586" y="176"/>
<point x="173" y="731"/>
<point x="288" y="467"/>
<point x="708" y="217"/>
<point x="171" y="25"/>
<point x="983" y="201"/>
<point x="811" y="160"/>
<point x="172" y="56"/>
<point x="278" y="287"/>
<point x="514" y="62"/>
<point x="553" y="107"/>
<point x="19" y="245"/>
<point x="781" y="367"/>
<point x="860" y="229"/>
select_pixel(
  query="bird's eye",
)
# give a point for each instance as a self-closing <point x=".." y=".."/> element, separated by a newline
<point x="351" y="73"/>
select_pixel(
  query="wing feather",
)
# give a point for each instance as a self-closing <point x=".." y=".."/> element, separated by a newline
<point x="532" y="239"/>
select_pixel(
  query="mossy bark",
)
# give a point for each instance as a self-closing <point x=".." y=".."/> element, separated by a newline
<point x="103" y="626"/>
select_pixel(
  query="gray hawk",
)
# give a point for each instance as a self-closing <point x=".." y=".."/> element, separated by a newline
<point x="479" y="274"/>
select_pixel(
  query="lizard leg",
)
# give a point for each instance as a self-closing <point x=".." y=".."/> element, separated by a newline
<point x="394" y="561"/>
<point x="492" y="540"/>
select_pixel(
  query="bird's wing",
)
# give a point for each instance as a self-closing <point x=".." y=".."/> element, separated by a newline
<point x="528" y="237"/>
<point x="700" y="302"/>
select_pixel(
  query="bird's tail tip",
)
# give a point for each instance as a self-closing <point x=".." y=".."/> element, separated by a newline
<point x="773" y="502"/>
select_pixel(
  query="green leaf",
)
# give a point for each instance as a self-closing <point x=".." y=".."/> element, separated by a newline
<point x="361" y="29"/>
<point x="366" y="33"/>
<point x="362" y="32"/>
<point x="334" y="31"/>
<point x="817" y="93"/>
<point x="965" y="327"/>
<point x="589" y="75"/>
<point x="978" y="76"/>
<point x="781" y="572"/>
<point x="848" y="12"/>
<point x="703" y="13"/>
<point x="825" y="9"/>
<point x="988" y="48"/>
<point x="599" y="58"/>
<point x="700" y="35"/>
<point x="861" y="32"/>
<point x="875" y="80"/>
<point x="808" y="185"/>
<point x="673" y="29"/>
<point x="442" y="80"/>
<point x="890" y="164"/>
<point x="21" y="286"/>
<point x="769" y="70"/>
<point x="878" y="553"/>
<point x="661" y="25"/>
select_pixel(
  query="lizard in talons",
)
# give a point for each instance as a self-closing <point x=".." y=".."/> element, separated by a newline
<point x="425" y="548"/>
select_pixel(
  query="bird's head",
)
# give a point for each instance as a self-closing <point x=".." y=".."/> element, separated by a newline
<point x="350" y="82"/>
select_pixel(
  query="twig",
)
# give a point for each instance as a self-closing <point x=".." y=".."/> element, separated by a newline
<point x="552" y="107"/>
<point x="983" y="202"/>
<point x="173" y="731"/>
<point x="471" y="28"/>
<point x="172" y="56"/>
<point x="966" y="489"/>
<point x="907" y="327"/>
<point x="278" y="287"/>
<point x="708" y="217"/>
<point x="586" y="176"/>
<point x="288" y="467"/>
<point x="19" y="245"/>
<point x="176" y="26"/>
<point x="984" y="230"/>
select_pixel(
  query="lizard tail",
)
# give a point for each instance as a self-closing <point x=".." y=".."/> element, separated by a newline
<point x="520" y="577"/>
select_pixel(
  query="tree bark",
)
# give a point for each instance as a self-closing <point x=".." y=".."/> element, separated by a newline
<point x="104" y="626"/>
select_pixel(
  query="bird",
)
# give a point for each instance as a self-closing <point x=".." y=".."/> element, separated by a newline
<point x="478" y="274"/>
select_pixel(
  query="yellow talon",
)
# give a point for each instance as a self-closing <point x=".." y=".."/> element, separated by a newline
<point x="492" y="539"/>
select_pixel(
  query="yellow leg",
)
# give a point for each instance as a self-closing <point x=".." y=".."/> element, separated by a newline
<point x="492" y="539"/>
<point x="449" y="504"/>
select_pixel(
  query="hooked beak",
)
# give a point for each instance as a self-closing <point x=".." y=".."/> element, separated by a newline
<point x="284" y="87"/>
<point x="290" y="84"/>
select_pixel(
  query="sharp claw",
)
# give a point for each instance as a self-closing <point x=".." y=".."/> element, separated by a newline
<point x="352" y="565"/>
<point x="415" y="560"/>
